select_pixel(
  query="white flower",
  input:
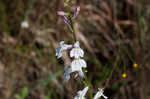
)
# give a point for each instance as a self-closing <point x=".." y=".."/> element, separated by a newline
<point x="100" y="94"/>
<point x="67" y="73"/>
<point x="77" y="65"/>
<point x="61" y="48"/>
<point x="76" y="52"/>
<point x="24" y="24"/>
<point x="81" y="93"/>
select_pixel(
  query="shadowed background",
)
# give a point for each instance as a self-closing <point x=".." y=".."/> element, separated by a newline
<point x="113" y="33"/>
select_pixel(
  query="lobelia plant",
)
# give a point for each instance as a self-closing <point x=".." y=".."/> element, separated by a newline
<point x="77" y="54"/>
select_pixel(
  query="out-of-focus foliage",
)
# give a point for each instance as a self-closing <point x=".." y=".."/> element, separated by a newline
<point x="23" y="94"/>
<point x="113" y="33"/>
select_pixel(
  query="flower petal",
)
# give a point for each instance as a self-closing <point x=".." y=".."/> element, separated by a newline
<point x="76" y="53"/>
<point x="66" y="47"/>
<point x="72" y="52"/>
<point x="61" y="48"/>
<point x="83" y="63"/>
<point x="66" y="77"/>
<point x="77" y="12"/>
<point x="67" y="73"/>
<point x="75" y="65"/>
<point x="99" y="94"/>
<point x="84" y="91"/>
<point x="81" y="53"/>
<point x="67" y="69"/>
<point x="81" y="93"/>
<point x="77" y="44"/>
<point x="81" y="74"/>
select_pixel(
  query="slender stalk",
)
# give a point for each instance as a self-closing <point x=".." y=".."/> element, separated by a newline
<point x="108" y="79"/>
<point x="115" y="64"/>
<point x="72" y="29"/>
<point x="86" y="83"/>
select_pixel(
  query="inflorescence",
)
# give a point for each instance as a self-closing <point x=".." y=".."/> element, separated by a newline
<point x="76" y="54"/>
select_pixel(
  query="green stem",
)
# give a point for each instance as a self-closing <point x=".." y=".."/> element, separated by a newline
<point x="108" y="79"/>
<point x="72" y="29"/>
<point x="86" y="83"/>
<point x="115" y="64"/>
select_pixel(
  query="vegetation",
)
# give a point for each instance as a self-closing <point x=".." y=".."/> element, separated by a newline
<point x="113" y="33"/>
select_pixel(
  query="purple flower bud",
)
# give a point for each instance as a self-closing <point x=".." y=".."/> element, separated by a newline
<point x="77" y="12"/>
<point x="66" y="20"/>
<point x="78" y="8"/>
<point x="61" y="13"/>
<point x="65" y="5"/>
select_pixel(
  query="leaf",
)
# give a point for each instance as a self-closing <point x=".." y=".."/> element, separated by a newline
<point x="24" y="92"/>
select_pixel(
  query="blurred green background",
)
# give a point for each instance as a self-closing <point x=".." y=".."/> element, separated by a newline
<point x="113" y="33"/>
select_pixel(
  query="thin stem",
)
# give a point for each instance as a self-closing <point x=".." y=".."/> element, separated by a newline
<point x="108" y="79"/>
<point x="86" y="83"/>
<point x="115" y="64"/>
<point x="72" y="29"/>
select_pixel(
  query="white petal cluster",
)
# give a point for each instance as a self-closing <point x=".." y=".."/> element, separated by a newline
<point x="62" y="47"/>
<point x="76" y="52"/>
<point x="77" y="63"/>
<point x="81" y="94"/>
<point x="100" y="94"/>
